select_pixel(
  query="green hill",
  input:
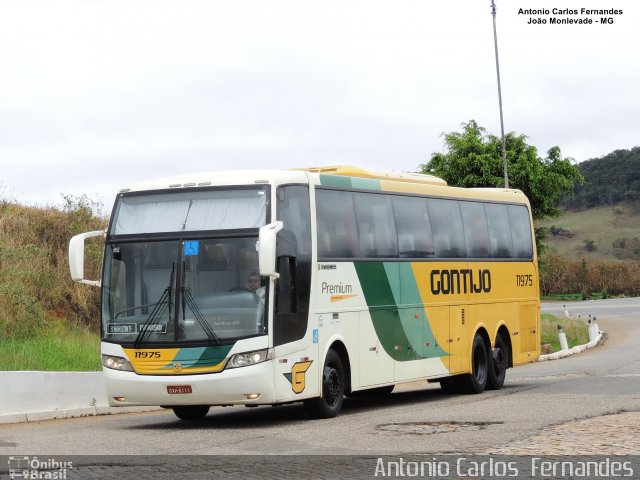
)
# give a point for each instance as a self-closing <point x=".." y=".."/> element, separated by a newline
<point x="604" y="232"/>
<point x="608" y="180"/>
<point x="602" y="216"/>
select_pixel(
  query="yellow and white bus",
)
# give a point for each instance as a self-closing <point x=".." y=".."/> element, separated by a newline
<point x="270" y="287"/>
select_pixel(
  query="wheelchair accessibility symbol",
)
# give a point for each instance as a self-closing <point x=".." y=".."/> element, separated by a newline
<point x="191" y="248"/>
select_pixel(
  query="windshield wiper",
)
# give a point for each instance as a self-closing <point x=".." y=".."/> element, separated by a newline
<point x="188" y="300"/>
<point x="165" y="299"/>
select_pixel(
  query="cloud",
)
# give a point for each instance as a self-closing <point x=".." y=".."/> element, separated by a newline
<point x="100" y="94"/>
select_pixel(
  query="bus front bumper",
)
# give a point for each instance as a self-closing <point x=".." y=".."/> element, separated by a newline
<point x="252" y="385"/>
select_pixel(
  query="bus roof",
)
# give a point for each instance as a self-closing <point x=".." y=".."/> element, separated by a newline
<point x="405" y="182"/>
<point x="218" y="178"/>
<point x="385" y="180"/>
<point x="350" y="171"/>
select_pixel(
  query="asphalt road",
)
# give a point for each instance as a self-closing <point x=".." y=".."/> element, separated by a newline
<point x="417" y="418"/>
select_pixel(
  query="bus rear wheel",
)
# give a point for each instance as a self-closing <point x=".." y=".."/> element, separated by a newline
<point x="476" y="381"/>
<point x="328" y="405"/>
<point x="499" y="362"/>
<point x="191" y="412"/>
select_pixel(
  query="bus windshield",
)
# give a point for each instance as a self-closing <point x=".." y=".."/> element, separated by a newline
<point x="204" y="291"/>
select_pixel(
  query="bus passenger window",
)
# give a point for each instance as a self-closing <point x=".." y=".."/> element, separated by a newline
<point x="442" y="246"/>
<point x="520" y="231"/>
<point x="413" y="226"/>
<point x="499" y="230"/>
<point x="475" y="229"/>
<point x="448" y="234"/>
<point x="324" y="239"/>
<point x="376" y="227"/>
<point x="337" y="237"/>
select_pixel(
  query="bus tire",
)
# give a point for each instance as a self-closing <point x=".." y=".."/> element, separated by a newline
<point x="328" y="405"/>
<point x="450" y="385"/>
<point x="498" y="364"/>
<point x="476" y="381"/>
<point x="191" y="412"/>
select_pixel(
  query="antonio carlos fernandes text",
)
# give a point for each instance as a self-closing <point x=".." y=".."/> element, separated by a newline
<point x="495" y="468"/>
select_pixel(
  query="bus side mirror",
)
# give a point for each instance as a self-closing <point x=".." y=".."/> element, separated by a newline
<point x="76" y="257"/>
<point x="267" y="249"/>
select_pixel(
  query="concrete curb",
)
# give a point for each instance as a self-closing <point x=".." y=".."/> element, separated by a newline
<point x="577" y="349"/>
<point x="29" y="396"/>
<point x="70" y="413"/>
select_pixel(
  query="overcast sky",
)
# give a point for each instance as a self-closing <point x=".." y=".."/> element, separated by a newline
<point x="98" y="94"/>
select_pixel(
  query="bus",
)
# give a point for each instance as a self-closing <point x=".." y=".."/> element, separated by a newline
<point x="271" y="287"/>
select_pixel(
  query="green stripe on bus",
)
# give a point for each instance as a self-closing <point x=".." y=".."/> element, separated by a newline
<point x="375" y="284"/>
<point x="418" y="329"/>
<point x="395" y="306"/>
<point x="335" y="181"/>
<point x="349" y="182"/>
<point x="196" y="357"/>
<point x="213" y="356"/>
<point x="365" y="183"/>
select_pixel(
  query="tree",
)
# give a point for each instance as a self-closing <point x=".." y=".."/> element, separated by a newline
<point x="474" y="159"/>
<point x="611" y="179"/>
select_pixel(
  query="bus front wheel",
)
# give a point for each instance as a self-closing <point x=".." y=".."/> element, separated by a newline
<point x="476" y="381"/>
<point x="191" y="412"/>
<point x="328" y="405"/>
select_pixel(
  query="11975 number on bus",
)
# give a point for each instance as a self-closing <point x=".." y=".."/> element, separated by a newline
<point x="524" y="280"/>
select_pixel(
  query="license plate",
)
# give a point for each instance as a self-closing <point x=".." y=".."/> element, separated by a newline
<point x="178" y="389"/>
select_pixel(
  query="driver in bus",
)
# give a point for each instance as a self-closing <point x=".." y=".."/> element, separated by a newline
<point x="255" y="286"/>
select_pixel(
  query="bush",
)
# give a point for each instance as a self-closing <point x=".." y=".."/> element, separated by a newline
<point x="589" y="245"/>
<point x="562" y="275"/>
<point x="35" y="285"/>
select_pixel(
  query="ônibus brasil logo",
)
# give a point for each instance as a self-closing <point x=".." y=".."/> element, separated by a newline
<point x="35" y="468"/>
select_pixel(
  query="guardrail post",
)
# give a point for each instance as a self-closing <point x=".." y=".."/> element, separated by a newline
<point x="563" y="339"/>
<point x="596" y="328"/>
<point x="593" y="329"/>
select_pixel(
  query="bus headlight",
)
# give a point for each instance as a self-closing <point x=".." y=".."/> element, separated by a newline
<point x="116" y="363"/>
<point x="250" y="358"/>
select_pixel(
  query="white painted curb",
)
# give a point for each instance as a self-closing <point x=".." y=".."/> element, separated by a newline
<point x="33" y="395"/>
<point x="572" y="351"/>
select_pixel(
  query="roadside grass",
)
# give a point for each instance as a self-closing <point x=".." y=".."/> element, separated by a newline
<point x="576" y="331"/>
<point x="61" y="347"/>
